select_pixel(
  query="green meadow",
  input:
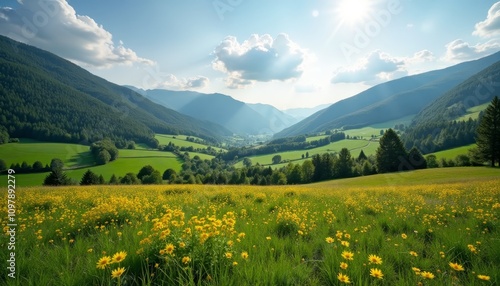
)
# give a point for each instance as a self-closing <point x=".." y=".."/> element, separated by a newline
<point x="180" y="140"/>
<point x="427" y="227"/>
<point x="473" y="112"/>
<point x="454" y="152"/>
<point x="355" y="146"/>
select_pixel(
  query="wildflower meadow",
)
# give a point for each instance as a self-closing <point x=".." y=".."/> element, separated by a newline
<point x="429" y="234"/>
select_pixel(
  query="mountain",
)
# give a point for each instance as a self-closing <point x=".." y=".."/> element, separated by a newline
<point x="390" y="100"/>
<point x="277" y="119"/>
<point x="237" y="116"/>
<point x="435" y="127"/>
<point x="45" y="97"/>
<point x="476" y="90"/>
<point x="302" y="113"/>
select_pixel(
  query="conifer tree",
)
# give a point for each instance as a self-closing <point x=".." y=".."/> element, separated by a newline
<point x="488" y="133"/>
<point x="391" y="153"/>
<point x="416" y="160"/>
<point x="89" y="178"/>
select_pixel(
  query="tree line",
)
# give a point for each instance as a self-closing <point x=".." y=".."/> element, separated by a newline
<point x="391" y="156"/>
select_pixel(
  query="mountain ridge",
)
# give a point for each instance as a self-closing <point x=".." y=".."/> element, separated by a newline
<point x="87" y="107"/>
<point x="239" y="117"/>
<point x="390" y="100"/>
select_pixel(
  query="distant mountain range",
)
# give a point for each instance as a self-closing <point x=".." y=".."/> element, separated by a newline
<point x="237" y="116"/>
<point x="45" y="97"/>
<point x="303" y="113"/>
<point x="391" y="100"/>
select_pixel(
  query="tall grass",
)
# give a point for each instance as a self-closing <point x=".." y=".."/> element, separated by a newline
<point x="243" y="235"/>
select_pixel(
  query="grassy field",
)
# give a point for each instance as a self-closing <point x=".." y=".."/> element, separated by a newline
<point x="430" y="227"/>
<point x="367" y="132"/>
<point x="78" y="160"/>
<point x="180" y="140"/>
<point x="355" y="146"/>
<point x="119" y="167"/>
<point x="31" y="151"/>
<point x="418" y="177"/>
<point x="473" y="112"/>
<point x="453" y="153"/>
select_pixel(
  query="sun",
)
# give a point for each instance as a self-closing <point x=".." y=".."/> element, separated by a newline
<point x="353" y="11"/>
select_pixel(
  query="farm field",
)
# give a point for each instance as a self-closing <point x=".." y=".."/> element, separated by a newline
<point x="31" y="151"/>
<point x="442" y="231"/>
<point x="374" y="129"/>
<point x="180" y="140"/>
<point x="128" y="161"/>
<point x="355" y="146"/>
<point x="453" y="153"/>
<point x="119" y="167"/>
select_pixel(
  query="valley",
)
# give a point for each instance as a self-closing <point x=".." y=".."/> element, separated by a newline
<point x="235" y="143"/>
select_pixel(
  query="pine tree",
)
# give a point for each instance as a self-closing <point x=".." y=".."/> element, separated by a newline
<point x="113" y="180"/>
<point x="488" y="133"/>
<point x="362" y="156"/>
<point x="57" y="178"/>
<point x="343" y="166"/>
<point x="416" y="160"/>
<point x="391" y="153"/>
<point x="89" y="178"/>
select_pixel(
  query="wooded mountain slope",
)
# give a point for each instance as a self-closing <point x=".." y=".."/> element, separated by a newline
<point x="45" y="97"/>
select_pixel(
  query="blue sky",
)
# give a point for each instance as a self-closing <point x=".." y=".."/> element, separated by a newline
<point x="285" y="53"/>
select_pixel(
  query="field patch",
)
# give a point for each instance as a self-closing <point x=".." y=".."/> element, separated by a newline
<point x="31" y="151"/>
<point x="454" y="152"/>
<point x="180" y="140"/>
<point x="473" y="112"/>
<point x="354" y="146"/>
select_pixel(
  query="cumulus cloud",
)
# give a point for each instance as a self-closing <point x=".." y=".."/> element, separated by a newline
<point x="53" y="25"/>
<point x="171" y="82"/>
<point x="260" y="58"/>
<point x="491" y="25"/>
<point x="421" y="56"/>
<point x="372" y="68"/>
<point x="458" y="50"/>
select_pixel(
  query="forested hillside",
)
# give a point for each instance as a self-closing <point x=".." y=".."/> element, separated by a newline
<point x="435" y="128"/>
<point x="45" y="97"/>
<point x="391" y="100"/>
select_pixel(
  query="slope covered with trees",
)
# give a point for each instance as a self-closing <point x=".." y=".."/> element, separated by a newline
<point x="45" y="97"/>
<point x="434" y="128"/>
<point x="390" y="100"/>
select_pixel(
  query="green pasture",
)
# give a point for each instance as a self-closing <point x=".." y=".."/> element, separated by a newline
<point x="355" y="146"/>
<point x="31" y="151"/>
<point x="418" y="177"/>
<point x="473" y="112"/>
<point x="454" y="152"/>
<point x="374" y="129"/>
<point x="180" y="140"/>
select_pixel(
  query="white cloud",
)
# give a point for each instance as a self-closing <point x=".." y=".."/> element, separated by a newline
<point x="260" y="58"/>
<point x="374" y="67"/>
<point x="53" y="25"/>
<point x="171" y="82"/>
<point x="421" y="56"/>
<point x="458" y="50"/>
<point x="491" y="25"/>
